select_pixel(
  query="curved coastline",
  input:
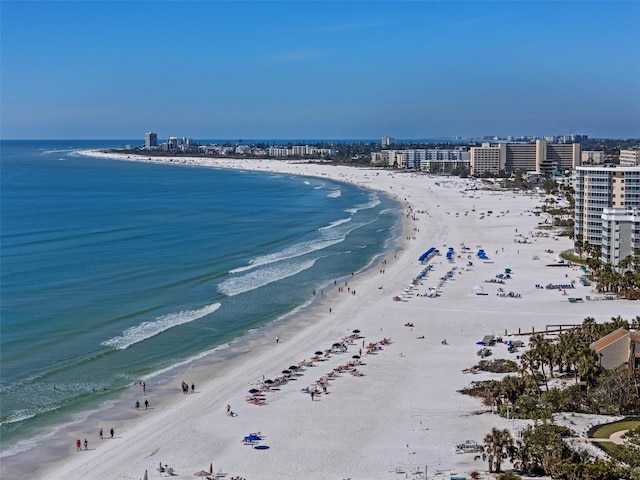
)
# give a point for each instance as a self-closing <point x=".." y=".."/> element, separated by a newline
<point x="405" y="412"/>
<point x="50" y="443"/>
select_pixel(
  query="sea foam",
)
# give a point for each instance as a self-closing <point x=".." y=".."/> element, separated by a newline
<point x="146" y="330"/>
<point x="293" y="251"/>
<point x="263" y="276"/>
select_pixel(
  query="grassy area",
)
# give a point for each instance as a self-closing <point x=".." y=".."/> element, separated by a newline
<point x="569" y="256"/>
<point x="608" y="447"/>
<point x="605" y="431"/>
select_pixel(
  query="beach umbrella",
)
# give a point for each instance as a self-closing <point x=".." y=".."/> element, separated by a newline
<point x="337" y="345"/>
<point x="146" y="477"/>
<point x="252" y="438"/>
<point x="293" y="367"/>
<point x="286" y="372"/>
<point x="355" y="331"/>
<point x="268" y="381"/>
<point x="201" y="473"/>
<point x="319" y="352"/>
<point x="356" y="357"/>
<point x="254" y="390"/>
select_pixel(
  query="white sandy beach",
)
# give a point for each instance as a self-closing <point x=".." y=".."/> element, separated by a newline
<point x="404" y="412"/>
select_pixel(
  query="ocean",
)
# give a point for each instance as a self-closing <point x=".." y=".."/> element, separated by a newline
<point x="112" y="272"/>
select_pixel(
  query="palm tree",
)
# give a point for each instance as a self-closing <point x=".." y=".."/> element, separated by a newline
<point x="590" y="330"/>
<point x="568" y="350"/>
<point x="512" y="388"/>
<point x="579" y="243"/>
<point x="588" y="366"/>
<point x="498" y="446"/>
<point x="529" y="370"/>
<point x="542" y="351"/>
<point x="625" y="263"/>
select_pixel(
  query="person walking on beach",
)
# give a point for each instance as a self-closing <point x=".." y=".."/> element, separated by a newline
<point x="144" y="388"/>
<point x="193" y="388"/>
<point x="146" y="404"/>
<point x="277" y="338"/>
<point x="86" y="444"/>
<point x="100" y="433"/>
<point x="78" y="447"/>
<point x="112" y="432"/>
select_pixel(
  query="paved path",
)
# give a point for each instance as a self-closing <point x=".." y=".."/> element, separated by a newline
<point x="615" y="437"/>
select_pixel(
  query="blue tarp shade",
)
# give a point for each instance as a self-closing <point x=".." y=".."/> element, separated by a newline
<point x="482" y="255"/>
<point x="427" y="254"/>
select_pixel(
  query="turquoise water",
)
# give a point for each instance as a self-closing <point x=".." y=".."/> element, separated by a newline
<point x="113" y="271"/>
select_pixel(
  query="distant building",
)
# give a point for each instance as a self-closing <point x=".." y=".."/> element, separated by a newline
<point x="385" y="158"/>
<point x="445" y="160"/>
<point x="386" y="141"/>
<point x="150" y="140"/>
<point x="535" y="179"/>
<point x="541" y="156"/>
<point x="487" y="159"/>
<point x="629" y="157"/>
<point x="301" y="151"/>
<point x="442" y="161"/>
<point x="171" y="145"/>
<point x="592" y="157"/>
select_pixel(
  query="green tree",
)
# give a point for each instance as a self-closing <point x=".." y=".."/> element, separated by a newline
<point x="549" y="185"/>
<point x="541" y="447"/>
<point x="498" y="446"/>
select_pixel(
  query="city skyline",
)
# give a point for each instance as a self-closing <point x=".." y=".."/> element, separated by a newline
<point x="99" y="70"/>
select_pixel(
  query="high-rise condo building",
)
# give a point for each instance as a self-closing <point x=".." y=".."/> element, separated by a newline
<point x="607" y="211"/>
<point x="150" y="140"/>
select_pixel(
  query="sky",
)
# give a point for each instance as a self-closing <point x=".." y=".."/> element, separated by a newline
<point x="318" y="70"/>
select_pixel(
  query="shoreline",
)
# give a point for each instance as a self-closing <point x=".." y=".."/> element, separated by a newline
<point x="378" y="418"/>
<point x="52" y="442"/>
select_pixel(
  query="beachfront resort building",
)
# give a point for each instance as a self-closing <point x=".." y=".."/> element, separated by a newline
<point x="300" y="151"/>
<point x="487" y="159"/>
<point x="434" y="160"/>
<point x="607" y="210"/>
<point x="541" y="156"/>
